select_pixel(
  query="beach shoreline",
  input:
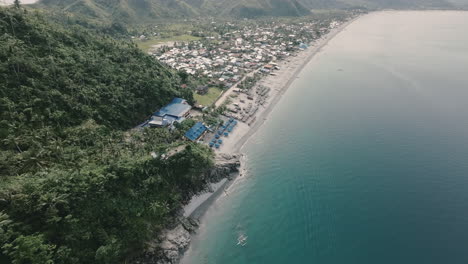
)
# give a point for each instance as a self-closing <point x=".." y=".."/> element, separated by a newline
<point x="309" y="54"/>
<point x="247" y="132"/>
<point x="290" y="70"/>
<point x="238" y="145"/>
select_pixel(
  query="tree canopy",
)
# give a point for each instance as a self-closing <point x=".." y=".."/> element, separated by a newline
<point x="76" y="185"/>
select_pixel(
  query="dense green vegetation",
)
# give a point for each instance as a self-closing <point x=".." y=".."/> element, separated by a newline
<point x="67" y="76"/>
<point x="75" y="185"/>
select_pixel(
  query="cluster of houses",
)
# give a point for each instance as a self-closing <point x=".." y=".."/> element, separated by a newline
<point x="226" y="60"/>
<point x="228" y="57"/>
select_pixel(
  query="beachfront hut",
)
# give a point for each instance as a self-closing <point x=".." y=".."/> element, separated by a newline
<point x="220" y="141"/>
<point x="226" y="134"/>
<point x="196" y="131"/>
<point x="217" y="146"/>
<point x="216" y="136"/>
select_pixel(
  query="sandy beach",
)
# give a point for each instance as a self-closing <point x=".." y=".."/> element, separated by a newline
<point x="278" y="85"/>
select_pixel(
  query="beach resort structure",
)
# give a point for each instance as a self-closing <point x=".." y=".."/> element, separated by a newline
<point x="176" y="111"/>
<point x="195" y="132"/>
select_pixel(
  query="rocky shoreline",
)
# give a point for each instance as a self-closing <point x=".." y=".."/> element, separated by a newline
<point x="171" y="244"/>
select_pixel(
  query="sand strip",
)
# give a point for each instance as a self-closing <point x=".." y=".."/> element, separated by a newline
<point x="279" y="84"/>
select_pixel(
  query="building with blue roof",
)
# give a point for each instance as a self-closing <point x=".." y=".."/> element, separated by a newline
<point x="175" y="111"/>
<point x="196" y="131"/>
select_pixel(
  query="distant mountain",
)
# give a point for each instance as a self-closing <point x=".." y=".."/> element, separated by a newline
<point x="124" y="10"/>
<point x="397" y="4"/>
<point x="144" y="10"/>
<point x="459" y="3"/>
<point x="251" y="8"/>
<point x="137" y="11"/>
<point x="380" y="4"/>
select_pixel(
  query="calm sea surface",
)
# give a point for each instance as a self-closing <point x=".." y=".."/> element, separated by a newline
<point x="364" y="159"/>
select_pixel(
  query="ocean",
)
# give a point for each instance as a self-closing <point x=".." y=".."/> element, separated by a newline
<point x="364" y="159"/>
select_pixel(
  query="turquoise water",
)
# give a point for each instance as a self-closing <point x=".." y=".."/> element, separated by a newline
<point x="364" y="159"/>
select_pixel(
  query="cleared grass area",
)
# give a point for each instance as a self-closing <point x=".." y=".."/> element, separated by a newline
<point x="145" y="45"/>
<point x="209" y="98"/>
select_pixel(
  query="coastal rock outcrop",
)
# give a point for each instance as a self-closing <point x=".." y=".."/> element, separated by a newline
<point x="171" y="244"/>
<point x="175" y="241"/>
<point x="226" y="165"/>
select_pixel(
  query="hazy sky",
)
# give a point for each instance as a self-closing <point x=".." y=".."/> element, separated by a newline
<point x="7" y="2"/>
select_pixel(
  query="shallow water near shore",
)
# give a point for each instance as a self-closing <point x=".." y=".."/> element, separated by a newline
<point x="364" y="159"/>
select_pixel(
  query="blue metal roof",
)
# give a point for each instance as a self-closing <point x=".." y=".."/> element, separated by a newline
<point x="177" y="108"/>
<point x="178" y="100"/>
<point x="195" y="132"/>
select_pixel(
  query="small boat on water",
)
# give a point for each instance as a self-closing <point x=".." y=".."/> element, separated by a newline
<point x="242" y="240"/>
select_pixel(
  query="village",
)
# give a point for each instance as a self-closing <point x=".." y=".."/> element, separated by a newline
<point x="246" y="67"/>
<point x="226" y="58"/>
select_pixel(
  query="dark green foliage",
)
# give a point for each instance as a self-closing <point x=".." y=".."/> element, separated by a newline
<point x="185" y="125"/>
<point x="17" y="4"/>
<point x="56" y="77"/>
<point x="102" y="209"/>
<point x="74" y="186"/>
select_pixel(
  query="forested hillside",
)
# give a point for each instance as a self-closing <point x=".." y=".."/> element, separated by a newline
<point x="75" y="185"/>
<point x="58" y="77"/>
